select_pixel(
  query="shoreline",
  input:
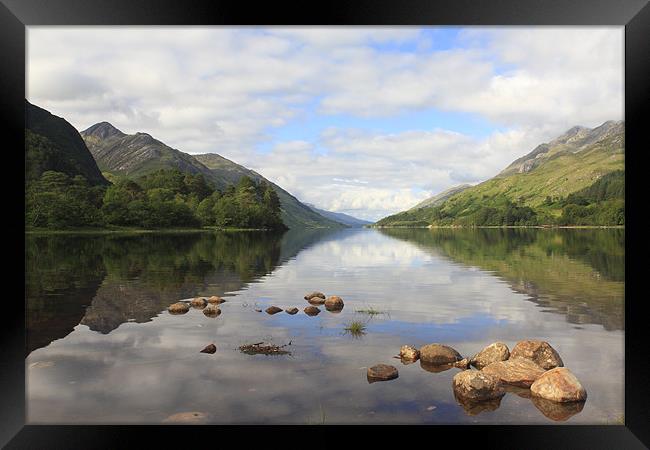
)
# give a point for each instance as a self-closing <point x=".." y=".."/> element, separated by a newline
<point x="544" y="227"/>
<point x="142" y="230"/>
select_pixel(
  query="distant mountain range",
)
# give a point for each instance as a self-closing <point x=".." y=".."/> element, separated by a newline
<point x="538" y="186"/>
<point x="341" y="217"/>
<point x="134" y="155"/>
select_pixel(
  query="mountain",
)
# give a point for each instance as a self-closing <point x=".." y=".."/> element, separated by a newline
<point x="135" y="155"/>
<point x="537" y="188"/>
<point x="440" y="198"/>
<point x="345" y="219"/>
<point x="51" y="143"/>
<point x="295" y="214"/>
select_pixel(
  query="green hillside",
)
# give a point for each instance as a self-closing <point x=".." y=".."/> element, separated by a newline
<point x="52" y="144"/>
<point x="537" y="188"/>
<point x="119" y="154"/>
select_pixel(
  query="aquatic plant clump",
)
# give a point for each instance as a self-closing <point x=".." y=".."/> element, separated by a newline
<point x="259" y="348"/>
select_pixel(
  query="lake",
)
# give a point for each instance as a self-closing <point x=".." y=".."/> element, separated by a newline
<point x="102" y="348"/>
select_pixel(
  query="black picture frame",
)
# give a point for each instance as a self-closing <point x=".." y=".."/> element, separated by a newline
<point x="15" y="15"/>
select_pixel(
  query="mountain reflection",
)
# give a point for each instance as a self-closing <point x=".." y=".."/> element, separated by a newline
<point x="103" y="281"/>
<point x="578" y="273"/>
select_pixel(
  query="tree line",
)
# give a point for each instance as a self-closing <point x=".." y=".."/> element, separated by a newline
<point x="163" y="199"/>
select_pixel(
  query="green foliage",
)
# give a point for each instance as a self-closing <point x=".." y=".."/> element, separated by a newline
<point x="602" y="203"/>
<point x="162" y="199"/>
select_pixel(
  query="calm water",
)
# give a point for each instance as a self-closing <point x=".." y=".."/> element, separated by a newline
<point x="103" y="349"/>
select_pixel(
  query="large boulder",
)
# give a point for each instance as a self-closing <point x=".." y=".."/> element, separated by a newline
<point x="558" y="385"/>
<point x="178" y="308"/>
<point x="382" y="372"/>
<point x="492" y="353"/>
<point x="540" y="352"/>
<point x="477" y="386"/>
<point x="312" y="311"/>
<point x="439" y="354"/>
<point x="273" y="310"/>
<point x="516" y="371"/>
<point x="408" y="353"/>
<point x="315" y="294"/>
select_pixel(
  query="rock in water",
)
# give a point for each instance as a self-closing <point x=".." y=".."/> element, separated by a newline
<point x="273" y="310"/>
<point x="477" y="386"/>
<point x="492" y="353"/>
<point x="559" y="385"/>
<point x="334" y="303"/>
<point x="439" y="354"/>
<point x="540" y="352"/>
<point x="192" y="417"/>
<point x="291" y="311"/>
<point x="312" y="311"/>
<point x="316" y="301"/>
<point x="178" y="308"/>
<point x="209" y="349"/>
<point x="557" y="411"/>
<point x="211" y="311"/>
<point x="516" y="371"/>
<point x="409" y="353"/>
<point x="434" y="368"/>
<point x="315" y="294"/>
<point x="463" y="364"/>
<point x="382" y="372"/>
<point x="216" y="299"/>
<point x="199" y="302"/>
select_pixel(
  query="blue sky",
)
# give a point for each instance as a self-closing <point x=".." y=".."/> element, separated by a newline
<point x="367" y="121"/>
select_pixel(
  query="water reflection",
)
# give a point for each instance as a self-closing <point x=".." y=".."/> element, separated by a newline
<point x="104" y="281"/>
<point x="578" y="273"/>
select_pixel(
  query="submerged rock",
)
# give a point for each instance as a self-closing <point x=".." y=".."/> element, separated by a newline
<point x="258" y="310"/>
<point x="540" y="352"/>
<point x="477" y="386"/>
<point x="439" y="354"/>
<point x="199" y="302"/>
<point x="315" y="294"/>
<point x="211" y="311"/>
<point x="291" y="311"/>
<point x="516" y="371"/>
<point x="559" y="385"/>
<point x="316" y="301"/>
<point x="312" y="311"/>
<point x="209" y="349"/>
<point x="191" y="417"/>
<point x="556" y="410"/>
<point x="273" y="310"/>
<point x="408" y="353"/>
<point x="216" y="299"/>
<point x="382" y="372"/>
<point x="334" y="303"/>
<point x="492" y="353"/>
<point x="178" y="308"/>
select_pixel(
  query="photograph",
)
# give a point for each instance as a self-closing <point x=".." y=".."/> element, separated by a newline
<point x="325" y="225"/>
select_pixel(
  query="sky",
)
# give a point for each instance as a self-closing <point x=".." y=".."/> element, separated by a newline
<point x="367" y="121"/>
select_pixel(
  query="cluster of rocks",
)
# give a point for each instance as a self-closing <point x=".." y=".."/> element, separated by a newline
<point x="333" y="304"/>
<point x="208" y="305"/>
<point x="533" y="369"/>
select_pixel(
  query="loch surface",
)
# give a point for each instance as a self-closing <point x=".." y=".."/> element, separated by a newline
<point x="102" y="348"/>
